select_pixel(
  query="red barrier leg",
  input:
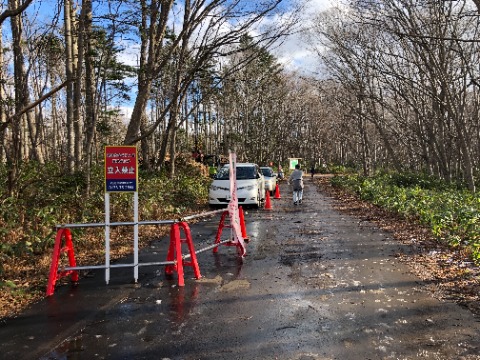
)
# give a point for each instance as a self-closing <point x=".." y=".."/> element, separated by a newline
<point x="221" y="225"/>
<point x="175" y="253"/>
<point x="71" y="255"/>
<point x="178" y="256"/>
<point x="169" y="269"/>
<point x="188" y="239"/>
<point x="55" y="275"/>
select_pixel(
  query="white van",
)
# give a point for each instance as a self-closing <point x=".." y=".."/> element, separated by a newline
<point x="250" y="186"/>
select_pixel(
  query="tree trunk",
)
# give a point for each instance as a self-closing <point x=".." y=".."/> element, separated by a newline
<point x="15" y="156"/>
<point x="90" y="110"/>
<point x="3" y="115"/>
<point x="162" y="154"/>
<point x="70" y="155"/>
<point x="77" y="64"/>
<point x="173" y="145"/>
<point x="147" y="165"/>
<point x="33" y="133"/>
<point x="364" y="141"/>
<point x="152" y="32"/>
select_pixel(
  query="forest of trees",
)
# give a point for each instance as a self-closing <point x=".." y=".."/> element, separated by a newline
<point x="394" y="93"/>
<point x="398" y="85"/>
<point x="408" y="76"/>
<point x="71" y="68"/>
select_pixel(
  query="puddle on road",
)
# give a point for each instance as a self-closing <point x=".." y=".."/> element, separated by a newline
<point x="66" y="350"/>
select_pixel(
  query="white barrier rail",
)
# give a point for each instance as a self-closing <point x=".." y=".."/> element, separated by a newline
<point x="132" y="223"/>
<point x="107" y="266"/>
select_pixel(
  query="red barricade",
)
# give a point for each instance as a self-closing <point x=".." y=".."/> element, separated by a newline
<point x="221" y="226"/>
<point x="175" y="253"/>
<point x="175" y="260"/>
<point x="55" y="275"/>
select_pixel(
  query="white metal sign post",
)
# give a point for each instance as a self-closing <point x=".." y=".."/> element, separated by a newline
<point x="121" y="175"/>
<point x="107" y="237"/>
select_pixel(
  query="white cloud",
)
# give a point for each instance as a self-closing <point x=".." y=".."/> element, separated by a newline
<point x="316" y="6"/>
<point x="126" y="111"/>
<point x="130" y="55"/>
<point x="295" y="53"/>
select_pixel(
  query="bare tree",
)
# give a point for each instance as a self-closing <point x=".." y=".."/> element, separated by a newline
<point x="69" y="71"/>
<point x="13" y="11"/>
<point x="17" y="152"/>
<point x="201" y="39"/>
<point x="85" y="55"/>
<point x="407" y="68"/>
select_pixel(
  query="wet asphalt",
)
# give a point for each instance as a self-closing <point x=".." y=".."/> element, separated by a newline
<point x="315" y="284"/>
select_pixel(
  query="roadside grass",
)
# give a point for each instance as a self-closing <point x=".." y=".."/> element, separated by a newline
<point x="450" y="211"/>
<point x="47" y="198"/>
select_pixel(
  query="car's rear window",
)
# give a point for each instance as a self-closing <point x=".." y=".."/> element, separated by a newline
<point x="243" y="173"/>
<point x="267" y="172"/>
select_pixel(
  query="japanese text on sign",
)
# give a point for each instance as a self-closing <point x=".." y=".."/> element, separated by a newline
<point x="121" y="168"/>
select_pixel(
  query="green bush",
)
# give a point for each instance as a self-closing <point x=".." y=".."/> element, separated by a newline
<point x="338" y="169"/>
<point x="450" y="211"/>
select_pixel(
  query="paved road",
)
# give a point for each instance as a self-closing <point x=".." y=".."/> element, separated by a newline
<point x="315" y="284"/>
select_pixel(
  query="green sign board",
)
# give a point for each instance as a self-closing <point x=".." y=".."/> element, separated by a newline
<point x="292" y="162"/>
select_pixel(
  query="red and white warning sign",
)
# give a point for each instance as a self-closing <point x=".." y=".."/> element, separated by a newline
<point x="121" y="169"/>
<point x="233" y="206"/>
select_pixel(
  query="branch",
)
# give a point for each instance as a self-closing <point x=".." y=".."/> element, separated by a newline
<point x="3" y="125"/>
<point x="11" y="13"/>
<point x="407" y="35"/>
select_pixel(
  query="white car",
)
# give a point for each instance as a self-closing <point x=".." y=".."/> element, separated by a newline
<point x="250" y="186"/>
<point x="270" y="179"/>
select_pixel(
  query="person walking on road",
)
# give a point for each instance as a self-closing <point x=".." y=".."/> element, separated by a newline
<point x="312" y="170"/>
<point x="296" y="179"/>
